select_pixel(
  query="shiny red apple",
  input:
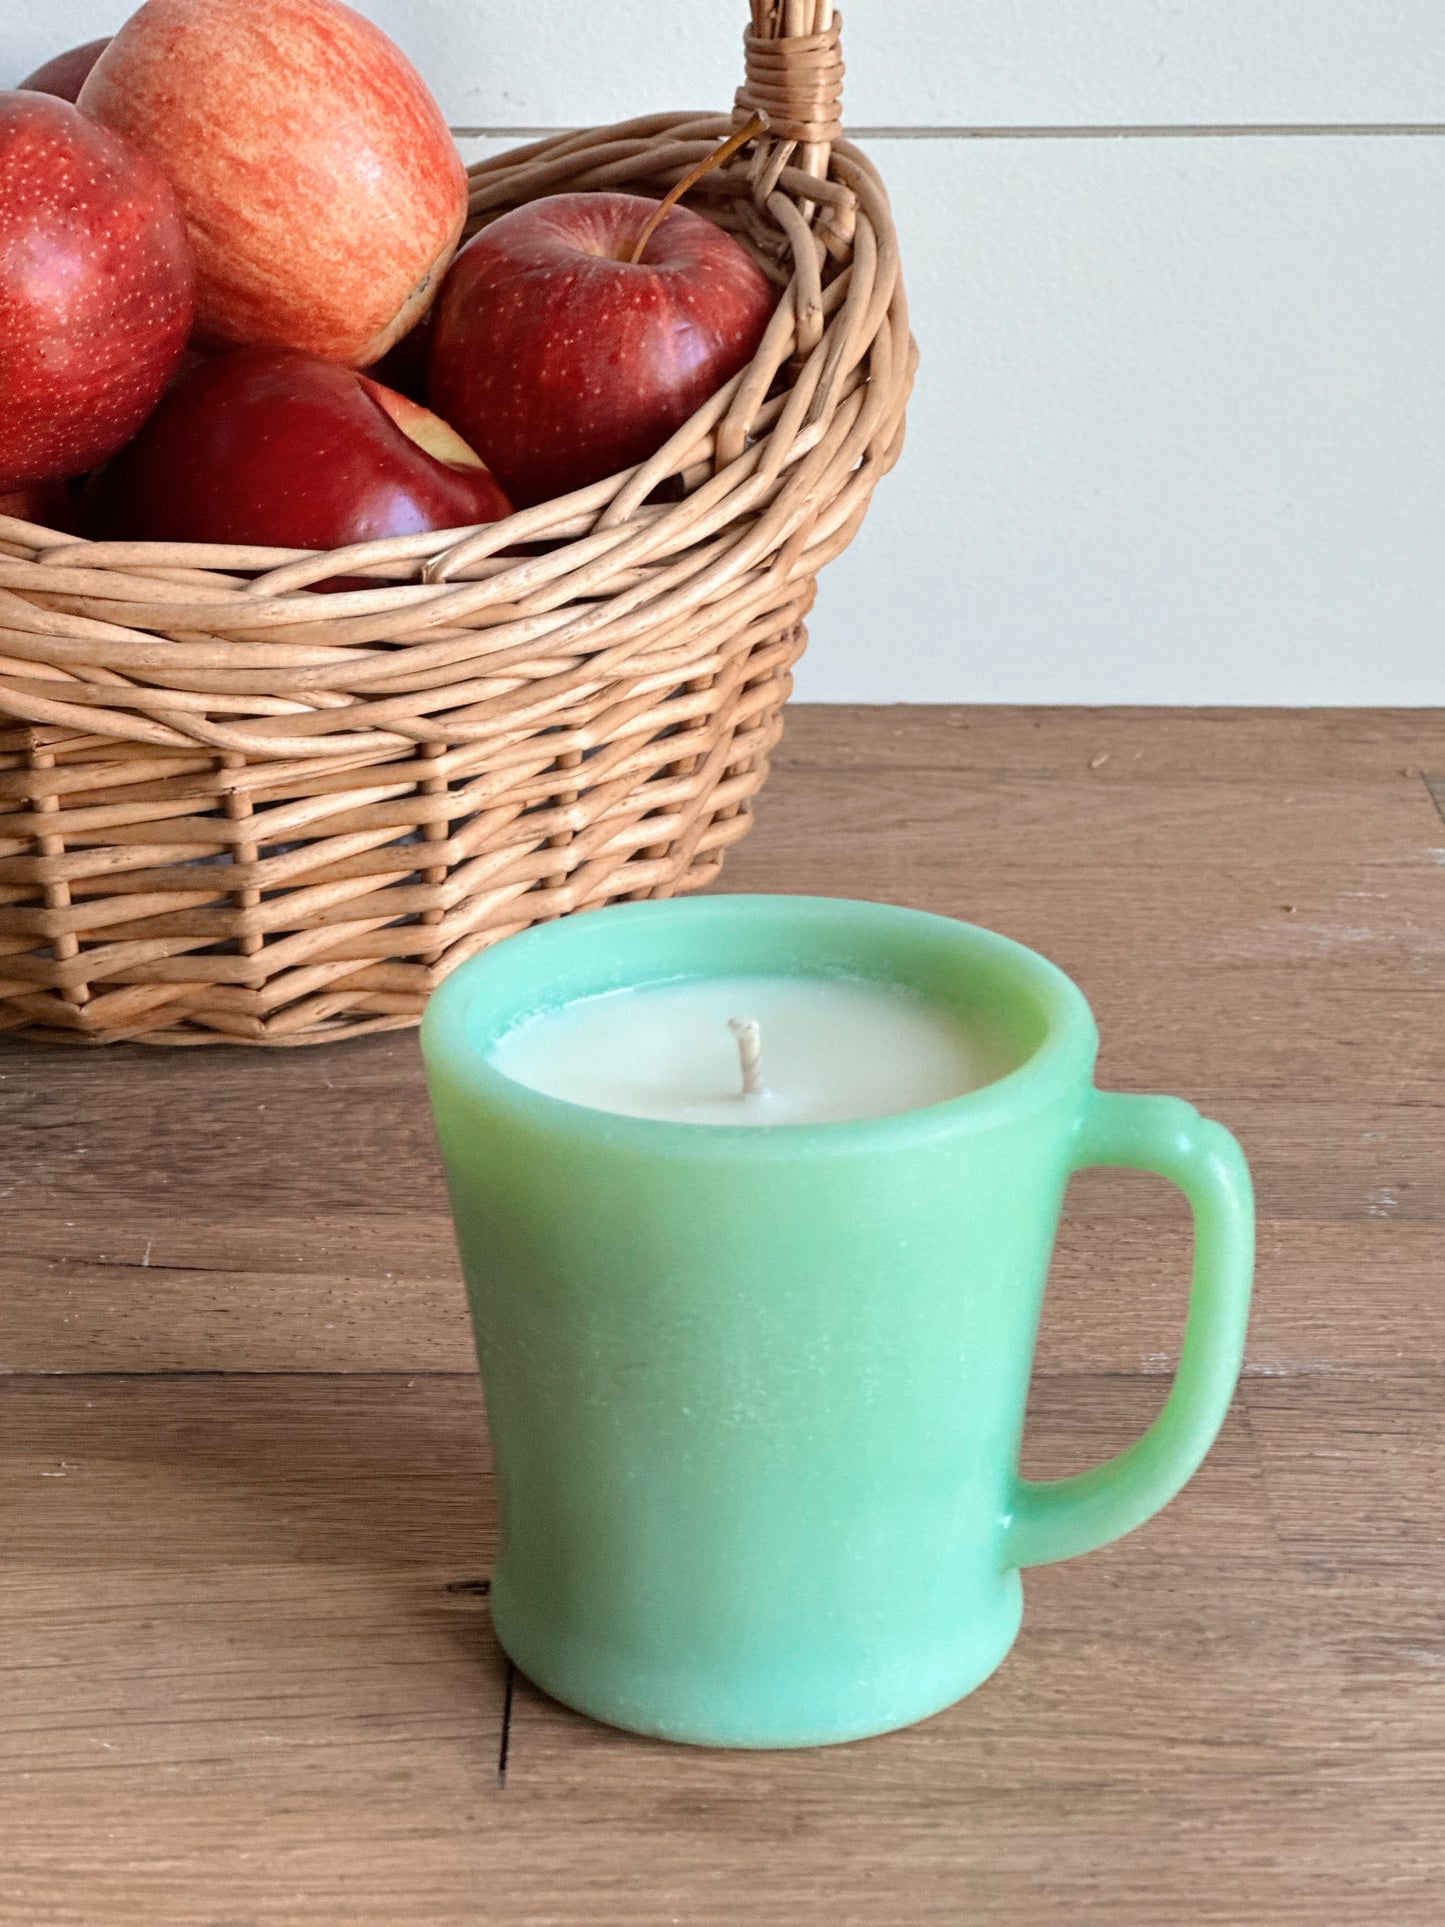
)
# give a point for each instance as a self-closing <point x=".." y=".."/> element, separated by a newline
<point x="272" y="446"/>
<point x="97" y="288"/>
<point x="324" y="192"/>
<point x="64" y="75"/>
<point x="562" y="360"/>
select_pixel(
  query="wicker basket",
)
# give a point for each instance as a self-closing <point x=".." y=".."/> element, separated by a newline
<point x="235" y="811"/>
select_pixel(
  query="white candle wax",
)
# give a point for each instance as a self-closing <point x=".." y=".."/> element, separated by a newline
<point x="833" y="1049"/>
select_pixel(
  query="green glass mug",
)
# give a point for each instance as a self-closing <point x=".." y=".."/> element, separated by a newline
<point x="756" y="1396"/>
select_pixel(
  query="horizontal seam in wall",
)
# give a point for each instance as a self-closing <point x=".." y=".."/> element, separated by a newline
<point x="1260" y="130"/>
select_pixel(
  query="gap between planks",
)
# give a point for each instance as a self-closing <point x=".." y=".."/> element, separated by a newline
<point x="1148" y="131"/>
<point x="480" y="1589"/>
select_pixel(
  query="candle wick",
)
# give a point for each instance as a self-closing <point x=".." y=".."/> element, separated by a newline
<point x="749" y="1033"/>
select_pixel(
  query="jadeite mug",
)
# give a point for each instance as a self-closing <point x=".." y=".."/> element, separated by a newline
<point x="756" y="1395"/>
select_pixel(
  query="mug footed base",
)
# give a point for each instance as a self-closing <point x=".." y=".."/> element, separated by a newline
<point x="767" y="1708"/>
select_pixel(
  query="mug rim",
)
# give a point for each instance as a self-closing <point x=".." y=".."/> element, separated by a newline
<point x="1064" y="1056"/>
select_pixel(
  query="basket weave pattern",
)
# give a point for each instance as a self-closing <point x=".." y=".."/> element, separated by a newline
<point x="235" y="811"/>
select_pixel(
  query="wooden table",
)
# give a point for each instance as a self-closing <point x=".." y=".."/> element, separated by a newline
<point x="246" y="1673"/>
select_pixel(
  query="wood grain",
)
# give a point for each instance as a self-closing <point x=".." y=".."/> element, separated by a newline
<point x="236" y="1688"/>
<point x="246" y="1674"/>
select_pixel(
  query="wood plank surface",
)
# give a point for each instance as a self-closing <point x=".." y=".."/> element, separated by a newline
<point x="288" y="1214"/>
<point x="246" y="1673"/>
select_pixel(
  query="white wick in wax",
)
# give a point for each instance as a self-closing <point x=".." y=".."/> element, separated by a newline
<point x="749" y="1033"/>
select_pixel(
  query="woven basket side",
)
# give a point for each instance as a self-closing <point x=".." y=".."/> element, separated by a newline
<point x="233" y="810"/>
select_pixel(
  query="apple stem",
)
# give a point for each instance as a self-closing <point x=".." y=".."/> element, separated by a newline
<point x="756" y="125"/>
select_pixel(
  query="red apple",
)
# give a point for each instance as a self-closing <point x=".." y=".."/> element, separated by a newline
<point x="96" y="289"/>
<point x="64" y="76"/>
<point x="49" y="504"/>
<point x="562" y="360"/>
<point x="323" y="190"/>
<point x="269" y="445"/>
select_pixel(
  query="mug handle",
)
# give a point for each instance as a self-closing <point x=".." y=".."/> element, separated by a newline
<point x="1059" y="1518"/>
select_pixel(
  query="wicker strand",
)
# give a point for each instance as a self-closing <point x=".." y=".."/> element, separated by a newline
<point x="794" y="59"/>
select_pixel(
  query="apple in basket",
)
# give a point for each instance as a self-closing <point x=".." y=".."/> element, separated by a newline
<point x="323" y="190"/>
<point x="64" y="74"/>
<point x="563" y="352"/>
<point x="274" y="447"/>
<point x="97" y="286"/>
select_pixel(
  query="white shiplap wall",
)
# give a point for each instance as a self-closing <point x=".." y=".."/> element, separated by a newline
<point x="1178" y="272"/>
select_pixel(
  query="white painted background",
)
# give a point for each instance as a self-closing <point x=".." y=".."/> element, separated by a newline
<point x="1178" y="270"/>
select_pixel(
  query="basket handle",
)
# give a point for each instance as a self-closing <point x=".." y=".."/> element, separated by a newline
<point x="795" y="81"/>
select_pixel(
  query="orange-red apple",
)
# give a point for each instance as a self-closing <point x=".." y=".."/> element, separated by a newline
<point x="272" y="446"/>
<point x="563" y="360"/>
<point x="324" y="193"/>
<point x="96" y="289"/>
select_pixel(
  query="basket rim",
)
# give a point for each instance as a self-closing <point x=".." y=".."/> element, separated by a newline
<point x="774" y="472"/>
<point x="522" y="525"/>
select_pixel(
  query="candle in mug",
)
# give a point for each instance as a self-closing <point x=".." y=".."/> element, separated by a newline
<point x="821" y="1050"/>
<point x="756" y="1396"/>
